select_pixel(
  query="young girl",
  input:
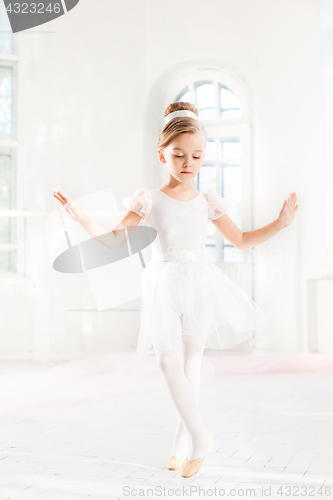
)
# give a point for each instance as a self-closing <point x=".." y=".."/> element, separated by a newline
<point x="187" y="302"/>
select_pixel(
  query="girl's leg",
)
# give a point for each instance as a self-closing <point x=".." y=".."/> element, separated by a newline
<point x="192" y="359"/>
<point x="184" y="398"/>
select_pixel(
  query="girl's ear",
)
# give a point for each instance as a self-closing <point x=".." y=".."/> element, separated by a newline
<point x="161" y="156"/>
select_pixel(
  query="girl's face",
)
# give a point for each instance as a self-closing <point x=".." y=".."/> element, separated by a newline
<point x="184" y="156"/>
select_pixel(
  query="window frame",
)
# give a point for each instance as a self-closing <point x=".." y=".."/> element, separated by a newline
<point x="10" y="147"/>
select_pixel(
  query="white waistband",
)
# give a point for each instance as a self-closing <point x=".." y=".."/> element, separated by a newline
<point x="180" y="256"/>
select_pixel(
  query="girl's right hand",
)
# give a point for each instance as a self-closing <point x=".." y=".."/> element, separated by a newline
<point x="70" y="206"/>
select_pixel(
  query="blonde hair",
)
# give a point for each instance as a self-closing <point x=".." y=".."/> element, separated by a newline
<point x="180" y="125"/>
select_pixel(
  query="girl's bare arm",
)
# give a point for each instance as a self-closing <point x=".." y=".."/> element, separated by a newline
<point x="249" y="239"/>
<point x="115" y="238"/>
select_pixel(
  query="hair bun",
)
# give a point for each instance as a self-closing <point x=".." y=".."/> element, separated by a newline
<point x="176" y="125"/>
<point x="179" y="106"/>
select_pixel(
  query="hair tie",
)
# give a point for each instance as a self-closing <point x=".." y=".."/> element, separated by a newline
<point x="182" y="112"/>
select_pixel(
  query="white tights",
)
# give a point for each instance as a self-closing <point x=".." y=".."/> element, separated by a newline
<point x="181" y="371"/>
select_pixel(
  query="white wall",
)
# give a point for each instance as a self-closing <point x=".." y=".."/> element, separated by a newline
<point x="86" y="122"/>
<point x="326" y="17"/>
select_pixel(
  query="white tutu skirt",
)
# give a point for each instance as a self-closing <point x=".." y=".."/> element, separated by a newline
<point x="194" y="301"/>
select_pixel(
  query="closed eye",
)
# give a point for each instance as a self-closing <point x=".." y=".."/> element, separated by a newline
<point x="195" y="157"/>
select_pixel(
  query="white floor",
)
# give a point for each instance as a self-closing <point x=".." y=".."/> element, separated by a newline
<point x="273" y="432"/>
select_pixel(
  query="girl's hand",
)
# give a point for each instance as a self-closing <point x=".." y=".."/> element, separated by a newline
<point x="288" y="211"/>
<point x="70" y="206"/>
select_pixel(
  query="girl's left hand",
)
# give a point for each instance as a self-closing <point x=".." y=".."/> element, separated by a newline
<point x="288" y="211"/>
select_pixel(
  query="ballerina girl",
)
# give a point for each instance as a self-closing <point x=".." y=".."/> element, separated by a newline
<point x="187" y="302"/>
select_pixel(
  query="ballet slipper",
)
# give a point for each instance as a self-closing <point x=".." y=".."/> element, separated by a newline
<point x="191" y="467"/>
<point x="174" y="462"/>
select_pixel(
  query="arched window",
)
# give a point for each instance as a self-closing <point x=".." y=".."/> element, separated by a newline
<point x="220" y="111"/>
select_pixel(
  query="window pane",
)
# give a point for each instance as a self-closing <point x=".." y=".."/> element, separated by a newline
<point x="206" y="96"/>
<point x="8" y="261"/>
<point x="232" y="183"/>
<point x="231" y="150"/>
<point x="207" y="114"/>
<point x="5" y="102"/>
<point x="6" y="38"/>
<point x="228" y="99"/>
<point x="210" y="252"/>
<point x="232" y="113"/>
<point x="221" y="251"/>
<point x="207" y="177"/>
<point x="5" y="194"/>
<point x="232" y="254"/>
<point x="210" y="153"/>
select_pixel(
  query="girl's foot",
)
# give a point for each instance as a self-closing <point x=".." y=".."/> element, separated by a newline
<point x="175" y="462"/>
<point x="191" y="467"/>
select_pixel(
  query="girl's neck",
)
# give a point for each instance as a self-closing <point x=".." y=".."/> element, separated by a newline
<point x="180" y="188"/>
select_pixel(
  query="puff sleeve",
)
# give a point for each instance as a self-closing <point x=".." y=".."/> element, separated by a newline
<point x="140" y="202"/>
<point x="217" y="206"/>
